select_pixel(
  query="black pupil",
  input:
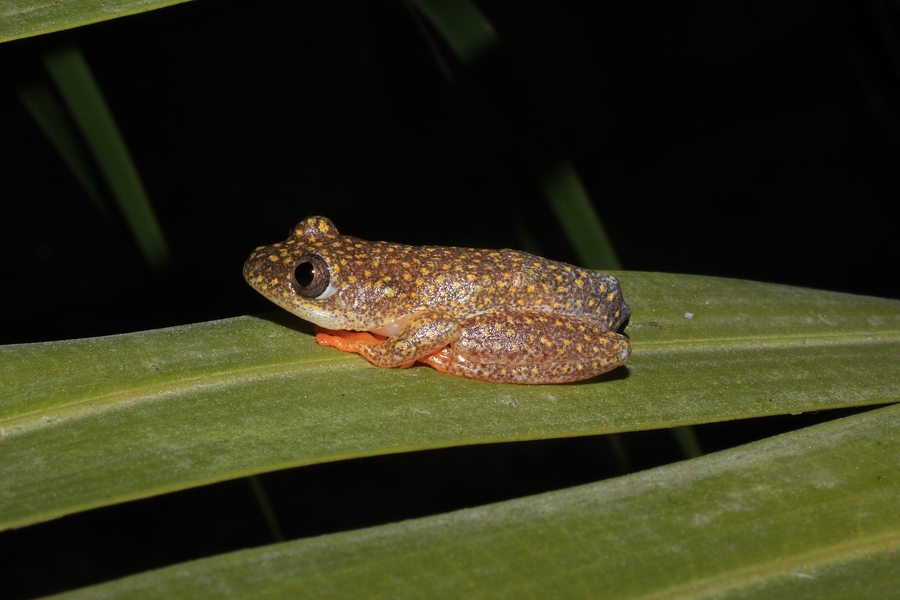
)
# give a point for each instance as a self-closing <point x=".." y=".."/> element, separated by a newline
<point x="305" y="273"/>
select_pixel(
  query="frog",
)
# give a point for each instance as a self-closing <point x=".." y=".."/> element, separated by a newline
<point x="502" y="316"/>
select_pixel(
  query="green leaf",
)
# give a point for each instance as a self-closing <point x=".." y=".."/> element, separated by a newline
<point x="26" y="18"/>
<point x="87" y="423"/>
<point x="810" y="514"/>
<point x="76" y="84"/>
<point x="473" y="39"/>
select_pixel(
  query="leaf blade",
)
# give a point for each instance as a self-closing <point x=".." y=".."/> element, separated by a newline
<point x="43" y="107"/>
<point x="27" y="18"/>
<point x="112" y="419"/>
<point x="819" y="520"/>
<point x="72" y="76"/>
<point x="473" y="39"/>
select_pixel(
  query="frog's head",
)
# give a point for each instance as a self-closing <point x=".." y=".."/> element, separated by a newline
<point x="302" y="273"/>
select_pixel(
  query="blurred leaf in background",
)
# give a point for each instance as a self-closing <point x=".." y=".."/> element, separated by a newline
<point x="84" y="102"/>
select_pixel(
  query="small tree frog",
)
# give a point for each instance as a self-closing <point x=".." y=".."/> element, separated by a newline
<point x="495" y="315"/>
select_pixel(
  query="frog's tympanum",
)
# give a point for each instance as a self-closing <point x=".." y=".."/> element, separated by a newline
<point x="495" y="315"/>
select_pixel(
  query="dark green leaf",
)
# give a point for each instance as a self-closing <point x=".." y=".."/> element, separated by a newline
<point x="85" y="102"/>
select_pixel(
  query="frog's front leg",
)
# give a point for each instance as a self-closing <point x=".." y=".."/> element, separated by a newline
<point x="423" y="333"/>
<point x="532" y="347"/>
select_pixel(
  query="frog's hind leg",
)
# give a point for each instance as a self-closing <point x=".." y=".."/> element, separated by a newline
<point x="532" y="347"/>
<point x="447" y="360"/>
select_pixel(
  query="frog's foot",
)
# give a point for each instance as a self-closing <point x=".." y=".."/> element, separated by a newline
<point x="423" y="333"/>
<point x="350" y="341"/>
<point x="344" y="340"/>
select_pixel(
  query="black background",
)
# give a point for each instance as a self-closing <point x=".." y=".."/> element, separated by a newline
<point x="757" y="140"/>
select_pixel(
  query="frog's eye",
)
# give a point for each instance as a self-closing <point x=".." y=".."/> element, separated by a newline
<point x="312" y="277"/>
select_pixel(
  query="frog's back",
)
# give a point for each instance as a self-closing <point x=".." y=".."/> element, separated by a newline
<point x="395" y="279"/>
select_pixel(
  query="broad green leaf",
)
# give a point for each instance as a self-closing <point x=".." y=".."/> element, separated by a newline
<point x="86" y="423"/>
<point x="473" y="39"/>
<point x="26" y="18"/>
<point x="79" y="90"/>
<point x="810" y="514"/>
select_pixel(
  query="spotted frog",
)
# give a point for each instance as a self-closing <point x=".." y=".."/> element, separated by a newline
<point x="494" y="315"/>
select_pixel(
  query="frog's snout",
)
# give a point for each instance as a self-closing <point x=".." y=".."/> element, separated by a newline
<point x="254" y="267"/>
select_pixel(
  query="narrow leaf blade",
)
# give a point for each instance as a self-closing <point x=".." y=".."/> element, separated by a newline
<point x="79" y="90"/>
<point x="44" y="108"/>
<point x="475" y="42"/>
